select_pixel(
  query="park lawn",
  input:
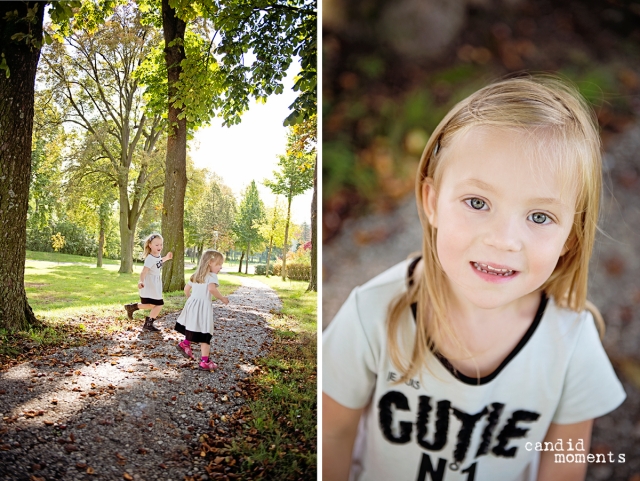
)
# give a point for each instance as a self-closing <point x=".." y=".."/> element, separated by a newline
<point x="76" y="301"/>
<point x="276" y="432"/>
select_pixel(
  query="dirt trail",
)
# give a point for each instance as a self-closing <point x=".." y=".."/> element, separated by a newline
<point x="130" y="407"/>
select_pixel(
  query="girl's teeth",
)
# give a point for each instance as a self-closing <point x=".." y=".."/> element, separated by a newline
<point x="494" y="271"/>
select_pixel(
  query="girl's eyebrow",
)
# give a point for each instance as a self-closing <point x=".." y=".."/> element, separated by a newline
<point x="488" y="187"/>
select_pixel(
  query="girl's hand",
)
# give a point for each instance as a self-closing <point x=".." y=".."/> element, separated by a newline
<point x="225" y="300"/>
<point x="140" y="285"/>
<point x="169" y="255"/>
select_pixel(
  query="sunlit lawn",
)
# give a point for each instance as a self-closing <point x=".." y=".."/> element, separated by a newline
<point x="57" y="290"/>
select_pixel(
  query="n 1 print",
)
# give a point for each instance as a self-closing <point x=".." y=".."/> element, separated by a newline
<point x="426" y="468"/>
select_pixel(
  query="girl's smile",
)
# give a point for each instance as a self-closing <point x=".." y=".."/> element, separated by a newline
<point x="502" y="216"/>
<point x="493" y="273"/>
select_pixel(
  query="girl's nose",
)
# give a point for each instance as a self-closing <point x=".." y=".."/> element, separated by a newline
<point x="503" y="234"/>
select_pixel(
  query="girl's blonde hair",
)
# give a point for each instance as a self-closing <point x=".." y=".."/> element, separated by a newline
<point x="565" y="126"/>
<point x="147" y="244"/>
<point x="203" y="270"/>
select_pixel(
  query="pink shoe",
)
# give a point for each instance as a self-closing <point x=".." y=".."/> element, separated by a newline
<point x="208" y="366"/>
<point x="185" y="350"/>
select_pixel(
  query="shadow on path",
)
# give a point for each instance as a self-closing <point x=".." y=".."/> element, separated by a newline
<point x="130" y="406"/>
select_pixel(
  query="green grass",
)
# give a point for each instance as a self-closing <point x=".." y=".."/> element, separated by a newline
<point x="298" y="306"/>
<point x="59" y="291"/>
<point x="280" y="437"/>
<point x="56" y="257"/>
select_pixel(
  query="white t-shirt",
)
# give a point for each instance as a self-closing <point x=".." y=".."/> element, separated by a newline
<point x="153" y="280"/>
<point x="445" y="426"/>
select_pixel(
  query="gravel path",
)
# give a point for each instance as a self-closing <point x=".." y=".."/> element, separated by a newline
<point x="130" y="407"/>
<point x="368" y="246"/>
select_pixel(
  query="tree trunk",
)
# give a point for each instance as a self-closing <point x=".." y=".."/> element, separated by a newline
<point x="285" y="247"/>
<point x="16" y="128"/>
<point x="246" y="265"/>
<point x="313" y="280"/>
<point x="176" y="164"/>
<point x="240" y="264"/>
<point x="100" y="244"/>
<point x="127" y="232"/>
<point x="269" y="255"/>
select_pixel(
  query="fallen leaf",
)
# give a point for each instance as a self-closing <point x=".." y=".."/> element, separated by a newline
<point x="90" y="470"/>
<point x="127" y="476"/>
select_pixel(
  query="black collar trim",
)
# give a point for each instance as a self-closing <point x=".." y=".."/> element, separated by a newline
<point x="489" y="377"/>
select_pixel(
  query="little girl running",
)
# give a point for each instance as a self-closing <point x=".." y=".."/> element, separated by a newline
<point x="150" y="284"/>
<point x="480" y="359"/>
<point x="196" y="319"/>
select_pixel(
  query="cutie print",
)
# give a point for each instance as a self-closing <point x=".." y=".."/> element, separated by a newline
<point x="196" y="319"/>
<point x="456" y="364"/>
<point x="150" y="284"/>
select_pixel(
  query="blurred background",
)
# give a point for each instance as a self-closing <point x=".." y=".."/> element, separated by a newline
<point x="392" y="69"/>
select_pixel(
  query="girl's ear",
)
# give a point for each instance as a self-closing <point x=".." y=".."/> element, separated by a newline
<point x="429" y="200"/>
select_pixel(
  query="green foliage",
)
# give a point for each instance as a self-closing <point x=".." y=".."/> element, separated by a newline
<point x="57" y="242"/>
<point x="77" y="238"/>
<point x="209" y="217"/>
<point x="250" y="215"/>
<point x="295" y="271"/>
<point x="294" y="177"/>
<point x="261" y="269"/>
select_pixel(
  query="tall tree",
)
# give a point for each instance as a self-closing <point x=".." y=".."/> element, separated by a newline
<point x="20" y="35"/>
<point x="294" y="177"/>
<point x="175" y="187"/>
<point x="213" y="216"/>
<point x="251" y="214"/>
<point x="273" y="229"/>
<point x="303" y="141"/>
<point x="21" y="38"/>
<point x="220" y="79"/>
<point x="93" y="77"/>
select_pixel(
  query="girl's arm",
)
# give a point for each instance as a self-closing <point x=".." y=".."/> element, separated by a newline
<point x="169" y="256"/>
<point x="187" y="290"/>
<point x="339" y="429"/>
<point x="213" y="290"/>
<point x="550" y="470"/>
<point x="143" y="274"/>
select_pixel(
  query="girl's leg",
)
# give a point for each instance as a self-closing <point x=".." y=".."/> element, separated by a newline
<point x="148" y="322"/>
<point x="145" y="306"/>
<point x="205" y="363"/>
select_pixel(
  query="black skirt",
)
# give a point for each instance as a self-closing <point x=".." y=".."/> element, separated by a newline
<point x="155" y="302"/>
<point x="191" y="336"/>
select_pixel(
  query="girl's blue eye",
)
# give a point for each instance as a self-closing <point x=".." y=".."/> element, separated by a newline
<point x="476" y="203"/>
<point x="539" y="218"/>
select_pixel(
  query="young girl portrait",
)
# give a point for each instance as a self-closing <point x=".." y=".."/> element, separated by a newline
<point x="479" y="358"/>
<point x="150" y="283"/>
<point x="196" y="319"/>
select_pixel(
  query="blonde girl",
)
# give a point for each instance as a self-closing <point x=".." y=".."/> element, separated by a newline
<point x="479" y="360"/>
<point x="196" y="319"/>
<point x="150" y="283"/>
